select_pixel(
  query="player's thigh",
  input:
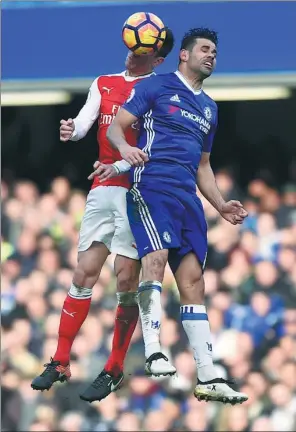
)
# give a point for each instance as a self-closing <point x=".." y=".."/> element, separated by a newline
<point x="127" y="272"/>
<point x="98" y="221"/>
<point x="153" y="220"/>
<point x="123" y="242"/>
<point x="194" y="234"/>
<point x="189" y="279"/>
<point x="196" y="230"/>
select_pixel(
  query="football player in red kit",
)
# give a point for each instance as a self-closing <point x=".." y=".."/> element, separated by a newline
<point x="104" y="230"/>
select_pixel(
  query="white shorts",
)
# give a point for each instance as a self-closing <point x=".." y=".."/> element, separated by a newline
<point x="105" y="220"/>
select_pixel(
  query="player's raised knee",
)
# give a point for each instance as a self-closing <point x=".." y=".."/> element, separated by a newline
<point x="85" y="274"/>
<point x="127" y="281"/>
<point x="127" y="274"/>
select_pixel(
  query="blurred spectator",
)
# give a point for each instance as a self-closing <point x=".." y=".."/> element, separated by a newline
<point x="250" y="293"/>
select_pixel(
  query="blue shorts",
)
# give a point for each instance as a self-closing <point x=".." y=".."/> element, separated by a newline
<point x="170" y="219"/>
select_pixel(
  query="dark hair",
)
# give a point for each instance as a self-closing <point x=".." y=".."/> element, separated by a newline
<point x="168" y="44"/>
<point x="189" y="39"/>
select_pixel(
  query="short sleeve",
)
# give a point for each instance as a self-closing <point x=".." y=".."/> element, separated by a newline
<point x="209" y="139"/>
<point x="141" y="98"/>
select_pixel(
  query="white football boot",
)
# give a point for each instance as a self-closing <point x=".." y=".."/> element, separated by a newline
<point x="218" y="390"/>
<point x="158" y="365"/>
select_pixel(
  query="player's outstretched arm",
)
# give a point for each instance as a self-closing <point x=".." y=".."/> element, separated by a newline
<point x="232" y="211"/>
<point x="116" y="136"/>
<point x="76" y="129"/>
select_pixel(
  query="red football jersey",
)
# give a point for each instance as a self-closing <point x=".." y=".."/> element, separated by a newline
<point x="114" y="90"/>
<point x="106" y="95"/>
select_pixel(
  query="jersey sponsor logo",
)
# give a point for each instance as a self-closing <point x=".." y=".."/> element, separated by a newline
<point x="208" y="113"/>
<point x="175" y="98"/>
<point x="136" y="126"/>
<point x="107" y="119"/>
<point x="203" y="123"/>
<point x="132" y="94"/>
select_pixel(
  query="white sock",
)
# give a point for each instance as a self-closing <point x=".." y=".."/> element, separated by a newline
<point x="196" y="325"/>
<point x="150" y="311"/>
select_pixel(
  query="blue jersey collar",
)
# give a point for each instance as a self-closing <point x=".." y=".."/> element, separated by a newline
<point x="181" y="78"/>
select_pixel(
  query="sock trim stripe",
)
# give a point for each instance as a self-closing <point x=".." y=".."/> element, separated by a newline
<point x="80" y="297"/>
<point x="80" y="292"/>
<point x="127" y="298"/>
<point x="193" y="309"/>
<point x="149" y="287"/>
<point x="194" y="316"/>
<point x="150" y="282"/>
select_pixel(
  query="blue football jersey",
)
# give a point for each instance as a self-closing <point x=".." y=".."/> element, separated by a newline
<point x="177" y="124"/>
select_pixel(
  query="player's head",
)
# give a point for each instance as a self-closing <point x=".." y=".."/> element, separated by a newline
<point x="167" y="46"/>
<point x="198" y="51"/>
<point x="141" y="65"/>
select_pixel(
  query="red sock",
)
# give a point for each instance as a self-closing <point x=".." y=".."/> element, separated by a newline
<point x="73" y="316"/>
<point x="125" y="324"/>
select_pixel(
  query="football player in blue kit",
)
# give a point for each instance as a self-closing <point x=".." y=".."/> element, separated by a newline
<point x="178" y="121"/>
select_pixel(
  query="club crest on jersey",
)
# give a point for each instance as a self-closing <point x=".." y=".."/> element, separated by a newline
<point x="132" y="94"/>
<point x="208" y="113"/>
<point x="167" y="237"/>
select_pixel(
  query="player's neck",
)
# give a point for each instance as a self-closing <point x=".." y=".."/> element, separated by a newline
<point x="138" y="73"/>
<point x="193" y="80"/>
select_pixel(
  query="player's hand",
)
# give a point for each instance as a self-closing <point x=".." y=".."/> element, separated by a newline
<point x="66" y="129"/>
<point x="103" y="171"/>
<point x="133" y="156"/>
<point x="233" y="212"/>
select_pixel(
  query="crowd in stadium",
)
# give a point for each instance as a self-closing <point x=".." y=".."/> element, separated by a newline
<point x="250" y="291"/>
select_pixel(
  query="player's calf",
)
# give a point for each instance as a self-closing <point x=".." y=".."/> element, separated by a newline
<point x="149" y="298"/>
<point x="126" y="319"/>
<point x="127" y="272"/>
<point x="194" y="316"/>
<point x="74" y="312"/>
<point x="196" y="325"/>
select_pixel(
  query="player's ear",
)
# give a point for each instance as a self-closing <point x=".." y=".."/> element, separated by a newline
<point x="158" y="61"/>
<point x="184" y="55"/>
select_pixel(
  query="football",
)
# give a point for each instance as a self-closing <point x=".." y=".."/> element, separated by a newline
<point x="143" y="33"/>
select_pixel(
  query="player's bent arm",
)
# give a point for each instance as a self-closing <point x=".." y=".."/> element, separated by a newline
<point x="116" y="136"/>
<point x="207" y="184"/>
<point x="88" y="113"/>
<point x="115" y="133"/>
